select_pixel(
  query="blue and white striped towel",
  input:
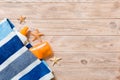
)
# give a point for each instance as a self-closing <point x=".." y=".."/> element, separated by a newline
<point x="16" y="61"/>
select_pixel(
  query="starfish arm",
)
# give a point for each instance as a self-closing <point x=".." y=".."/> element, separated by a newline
<point x="54" y="63"/>
<point x="40" y="34"/>
<point x="59" y="59"/>
<point x="33" y="34"/>
<point x="22" y="19"/>
<point x="34" y="38"/>
<point x="52" y="59"/>
<point x="20" y="22"/>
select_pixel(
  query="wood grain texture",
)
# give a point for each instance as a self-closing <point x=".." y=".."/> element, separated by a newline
<point x="84" y="43"/>
<point x="97" y="27"/>
<point x="59" y="1"/>
<point x="61" y="11"/>
<point x="99" y="66"/>
<point x="84" y="33"/>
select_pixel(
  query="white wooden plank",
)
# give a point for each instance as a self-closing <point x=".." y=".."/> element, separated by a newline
<point x="60" y="11"/>
<point x="110" y="27"/>
<point x="59" y="1"/>
<point x="83" y="43"/>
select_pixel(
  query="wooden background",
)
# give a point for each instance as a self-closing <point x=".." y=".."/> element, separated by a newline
<point x="85" y="33"/>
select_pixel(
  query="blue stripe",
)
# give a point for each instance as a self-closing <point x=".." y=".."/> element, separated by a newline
<point x="10" y="48"/>
<point x="17" y="65"/>
<point x="38" y="72"/>
<point x="28" y="45"/>
<point x="5" y="29"/>
<point x="44" y="62"/>
<point x="10" y="23"/>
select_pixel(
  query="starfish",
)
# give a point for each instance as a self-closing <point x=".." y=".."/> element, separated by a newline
<point x="55" y="60"/>
<point x="21" y="19"/>
<point x="36" y="35"/>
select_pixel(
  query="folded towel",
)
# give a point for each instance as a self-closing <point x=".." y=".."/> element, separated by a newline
<point x="16" y="61"/>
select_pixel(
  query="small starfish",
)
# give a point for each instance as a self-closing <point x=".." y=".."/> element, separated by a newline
<point x="36" y="35"/>
<point x="22" y="19"/>
<point x="55" y="60"/>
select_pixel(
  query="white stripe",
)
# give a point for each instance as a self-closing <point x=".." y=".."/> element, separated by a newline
<point x="27" y="43"/>
<point x="48" y="76"/>
<point x="7" y="38"/>
<point x="13" y="57"/>
<point x="26" y="70"/>
<point x="22" y="37"/>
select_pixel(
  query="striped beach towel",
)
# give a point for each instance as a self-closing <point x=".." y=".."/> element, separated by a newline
<point x="16" y="61"/>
